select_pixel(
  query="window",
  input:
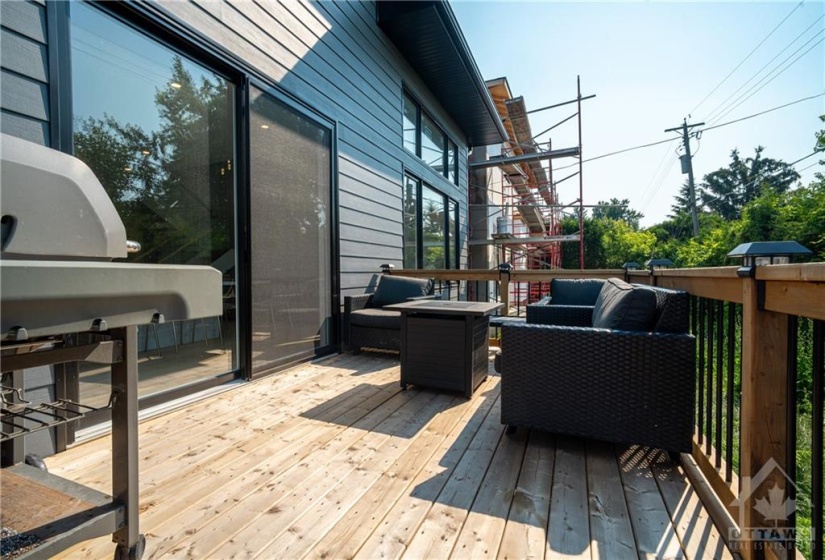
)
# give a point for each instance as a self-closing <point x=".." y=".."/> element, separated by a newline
<point x="291" y="233"/>
<point x="410" y="222"/>
<point x="430" y="227"/>
<point x="433" y="144"/>
<point x="452" y="163"/>
<point x="158" y="128"/>
<point x="423" y="137"/>
<point x="410" y="125"/>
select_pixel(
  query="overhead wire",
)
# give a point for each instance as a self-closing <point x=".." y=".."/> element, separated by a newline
<point x="757" y="90"/>
<point x="763" y="112"/>
<point x="724" y="104"/>
<point x="747" y="57"/>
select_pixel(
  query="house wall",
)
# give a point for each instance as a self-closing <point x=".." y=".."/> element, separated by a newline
<point x="333" y="57"/>
<point x="24" y="71"/>
<point x="24" y="112"/>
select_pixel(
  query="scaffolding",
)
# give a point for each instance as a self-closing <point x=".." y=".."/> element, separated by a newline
<point x="528" y="230"/>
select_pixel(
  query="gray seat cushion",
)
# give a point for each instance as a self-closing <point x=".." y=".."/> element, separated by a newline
<point x="624" y="307"/>
<point x="376" y="318"/>
<point x="397" y="289"/>
<point x="566" y="291"/>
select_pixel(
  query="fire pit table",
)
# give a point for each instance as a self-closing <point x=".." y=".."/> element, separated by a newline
<point x="444" y="344"/>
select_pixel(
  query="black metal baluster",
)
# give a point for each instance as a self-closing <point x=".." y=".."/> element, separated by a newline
<point x="790" y="420"/>
<point x="729" y="403"/>
<point x="720" y="337"/>
<point x="816" y="429"/>
<point x="709" y="439"/>
<point x="701" y="369"/>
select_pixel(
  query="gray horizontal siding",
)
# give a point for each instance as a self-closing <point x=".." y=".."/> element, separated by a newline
<point x="24" y="96"/>
<point x="23" y="56"/>
<point x="25" y="18"/>
<point x="24" y="71"/>
<point x="33" y="130"/>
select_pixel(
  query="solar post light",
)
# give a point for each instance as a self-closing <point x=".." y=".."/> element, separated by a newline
<point x="761" y="253"/>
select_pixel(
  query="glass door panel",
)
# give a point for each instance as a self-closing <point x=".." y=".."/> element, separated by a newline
<point x="291" y="249"/>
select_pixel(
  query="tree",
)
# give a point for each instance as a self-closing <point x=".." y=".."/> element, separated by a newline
<point x="622" y="243"/>
<point x="727" y="190"/>
<point x="617" y="209"/>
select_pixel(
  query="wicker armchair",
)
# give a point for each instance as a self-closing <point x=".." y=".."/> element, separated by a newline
<point x="624" y="386"/>
<point x="368" y="325"/>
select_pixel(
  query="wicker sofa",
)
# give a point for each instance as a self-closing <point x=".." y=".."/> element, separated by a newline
<point x="629" y="379"/>
<point x="368" y="325"/>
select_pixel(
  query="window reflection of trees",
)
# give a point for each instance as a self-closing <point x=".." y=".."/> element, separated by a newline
<point x="173" y="187"/>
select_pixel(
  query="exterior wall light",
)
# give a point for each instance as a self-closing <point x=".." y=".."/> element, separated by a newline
<point x="761" y="253"/>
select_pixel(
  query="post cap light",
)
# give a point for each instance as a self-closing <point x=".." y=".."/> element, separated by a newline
<point x="760" y="253"/>
<point x="387" y="268"/>
<point x="654" y="264"/>
<point x="631" y="265"/>
<point x="505" y="267"/>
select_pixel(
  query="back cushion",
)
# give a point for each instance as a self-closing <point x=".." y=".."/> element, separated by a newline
<point x="625" y="307"/>
<point x="397" y="289"/>
<point x="575" y="292"/>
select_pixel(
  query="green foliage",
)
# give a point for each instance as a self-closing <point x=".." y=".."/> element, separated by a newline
<point x="623" y="243"/>
<point x="728" y="190"/>
<point x="616" y="209"/>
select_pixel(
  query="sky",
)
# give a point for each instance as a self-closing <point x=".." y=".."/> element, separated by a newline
<point x="650" y="65"/>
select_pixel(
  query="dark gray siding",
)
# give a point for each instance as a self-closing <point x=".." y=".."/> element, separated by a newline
<point x="334" y="58"/>
<point x="24" y="65"/>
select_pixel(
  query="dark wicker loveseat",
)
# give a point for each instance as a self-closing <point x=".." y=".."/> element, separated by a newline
<point x="367" y="325"/>
<point x="632" y="382"/>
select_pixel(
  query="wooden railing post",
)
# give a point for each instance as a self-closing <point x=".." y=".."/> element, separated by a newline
<point x="504" y="291"/>
<point x="763" y="418"/>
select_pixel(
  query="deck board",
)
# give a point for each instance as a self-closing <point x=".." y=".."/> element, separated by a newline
<point x="334" y="460"/>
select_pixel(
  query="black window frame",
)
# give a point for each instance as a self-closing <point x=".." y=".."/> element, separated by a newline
<point x="452" y="243"/>
<point x="446" y="169"/>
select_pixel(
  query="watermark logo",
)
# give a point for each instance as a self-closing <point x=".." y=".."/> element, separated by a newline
<point x="775" y="497"/>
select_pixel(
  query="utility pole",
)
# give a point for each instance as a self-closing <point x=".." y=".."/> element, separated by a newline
<point x="687" y="162"/>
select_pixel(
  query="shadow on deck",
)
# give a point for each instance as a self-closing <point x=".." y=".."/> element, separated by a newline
<point x="334" y="460"/>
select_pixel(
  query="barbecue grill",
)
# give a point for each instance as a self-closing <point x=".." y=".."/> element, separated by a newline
<point x="60" y="234"/>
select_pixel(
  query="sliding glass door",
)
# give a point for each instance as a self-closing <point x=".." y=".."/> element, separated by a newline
<point x="158" y="129"/>
<point x="291" y="183"/>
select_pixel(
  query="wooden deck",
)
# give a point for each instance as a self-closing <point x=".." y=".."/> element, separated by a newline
<point x="333" y="460"/>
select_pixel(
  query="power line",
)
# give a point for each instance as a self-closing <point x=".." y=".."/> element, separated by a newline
<point x="747" y="57"/>
<point x="763" y="112"/>
<point x="758" y="72"/>
<point x="619" y="152"/>
<point x="754" y="92"/>
<point x="808" y="166"/>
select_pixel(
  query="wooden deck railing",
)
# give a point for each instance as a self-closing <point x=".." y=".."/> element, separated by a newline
<point x="748" y="329"/>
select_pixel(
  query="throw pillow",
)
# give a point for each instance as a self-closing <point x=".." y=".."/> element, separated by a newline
<point x="397" y="289"/>
<point x="583" y="291"/>
<point x="624" y="307"/>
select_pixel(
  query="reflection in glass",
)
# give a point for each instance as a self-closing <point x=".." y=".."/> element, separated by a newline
<point x="157" y="129"/>
<point x="291" y="253"/>
<point x="410" y="222"/>
<point x="432" y="143"/>
<point x="410" y="124"/>
<point x="452" y="163"/>
<point x="452" y="234"/>
<point x="434" y="233"/>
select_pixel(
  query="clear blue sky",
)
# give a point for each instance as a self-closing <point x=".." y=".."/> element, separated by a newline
<point x="650" y="64"/>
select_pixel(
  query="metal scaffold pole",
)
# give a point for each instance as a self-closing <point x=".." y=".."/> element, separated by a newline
<point x="581" y="173"/>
